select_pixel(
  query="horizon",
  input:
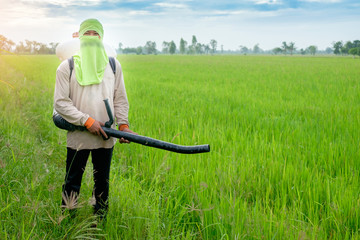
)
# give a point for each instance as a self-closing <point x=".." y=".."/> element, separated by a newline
<point x="232" y="24"/>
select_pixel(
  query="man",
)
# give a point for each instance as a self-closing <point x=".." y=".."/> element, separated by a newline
<point x="78" y="98"/>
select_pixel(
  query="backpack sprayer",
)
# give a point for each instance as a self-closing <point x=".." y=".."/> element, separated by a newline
<point x="60" y="122"/>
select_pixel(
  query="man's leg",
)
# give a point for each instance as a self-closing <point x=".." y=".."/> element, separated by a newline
<point x="101" y="159"/>
<point x="75" y="167"/>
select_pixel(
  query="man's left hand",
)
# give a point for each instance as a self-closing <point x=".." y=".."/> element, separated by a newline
<point x="123" y="140"/>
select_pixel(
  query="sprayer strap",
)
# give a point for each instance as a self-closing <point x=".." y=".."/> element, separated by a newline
<point x="112" y="64"/>
<point x="111" y="61"/>
<point x="71" y="65"/>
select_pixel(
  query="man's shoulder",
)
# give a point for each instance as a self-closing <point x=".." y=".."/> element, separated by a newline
<point x="64" y="66"/>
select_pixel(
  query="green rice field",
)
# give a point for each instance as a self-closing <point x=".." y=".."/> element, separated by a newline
<point x="284" y="162"/>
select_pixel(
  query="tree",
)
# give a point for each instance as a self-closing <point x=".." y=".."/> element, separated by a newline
<point x="192" y="47"/>
<point x="119" y="50"/>
<point x="356" y="43"/>
<point x="328" y="50"/>
<point x="53" y="47"/>
<point x="172" y="47"/>
<point x="183" y="45"/>
<point x="6" y="44"/>
<point x="20" y="48"/>
<point x="150" y="47"/>
<point x="3" y="42"/>
<point x="347" y="46"/>
<point x="244" y="50"/>
<point x="284" y="47"/>
<point x="166" y="46"/>
<point x="206" y="48"/>
<point x="128" y="50"/>
<point x="139" y="50"/>
<point x="337" y="47"/>
<point x="312" y="49"/>
<point x="37" y="46"/>
<point x="199" y="48"/>
<point x="213" y="44"/>
<point x="10" y="44"/>
<point x="42" y="49"/>
<point x="256" y="49"/>
<point x="194" y="41"/>
<point x="291" y="48"/>
<point x="28" y="46"/>
<point x="277" y="50"/>
<point x="354" y="51"/>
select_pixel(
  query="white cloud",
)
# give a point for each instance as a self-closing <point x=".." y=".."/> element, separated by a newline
<point x="170" y="5"/>
<point x="64" y="3"/>
<point x="139" y="13"/>
<point x="242" y="13"/>
<point x="269" y="2"/>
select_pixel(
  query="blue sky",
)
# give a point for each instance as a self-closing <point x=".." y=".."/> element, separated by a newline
<point x="232" y="23"/>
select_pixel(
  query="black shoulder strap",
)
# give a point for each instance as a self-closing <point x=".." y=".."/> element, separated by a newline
<point x="71" y="65"/>
<point x="112" y="64"/>
<point x="111" y="61"/>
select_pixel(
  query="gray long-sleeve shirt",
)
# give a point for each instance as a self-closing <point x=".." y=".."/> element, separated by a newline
<point x="76" y="103"/>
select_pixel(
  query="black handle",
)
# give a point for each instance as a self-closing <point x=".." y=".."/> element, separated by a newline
<point x="111" y="118"/>
<point x="108" y="110"/>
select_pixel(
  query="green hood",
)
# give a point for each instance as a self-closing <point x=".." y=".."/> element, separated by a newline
<point x="91" y="61"/>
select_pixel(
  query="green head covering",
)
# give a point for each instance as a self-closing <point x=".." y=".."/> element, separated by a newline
<point x="91" y="24"/>
<point x="90" y="62"/>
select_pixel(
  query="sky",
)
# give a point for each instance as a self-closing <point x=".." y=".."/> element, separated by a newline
<point x="231" y="23"/>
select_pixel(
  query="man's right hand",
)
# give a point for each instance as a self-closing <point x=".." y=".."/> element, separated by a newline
<point x="96" y="129"/>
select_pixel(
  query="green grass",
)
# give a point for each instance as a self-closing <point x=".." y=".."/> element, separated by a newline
<point x="284" y="162"/>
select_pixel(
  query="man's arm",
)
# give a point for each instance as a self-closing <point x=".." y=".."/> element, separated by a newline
<point x="65" y="106"/>
<point x="121" y="104"/>
<point x="62" y="102"/>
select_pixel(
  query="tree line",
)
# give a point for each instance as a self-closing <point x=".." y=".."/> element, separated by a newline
<point x="170" y="47"/>
<point x="194" y="47"/>
<point x="352" y="48"/>
<point x="27" y="47"/>
<point x="338" y="48"/>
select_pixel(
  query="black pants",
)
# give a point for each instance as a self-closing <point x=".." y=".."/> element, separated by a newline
<point x="75" y="167"/>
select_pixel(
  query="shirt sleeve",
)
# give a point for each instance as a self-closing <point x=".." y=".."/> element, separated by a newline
<point x="121" y="104"/>
<point x="62" y="102"/>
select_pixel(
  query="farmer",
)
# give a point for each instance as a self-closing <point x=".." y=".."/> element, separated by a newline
<point x="78" y="98"/>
